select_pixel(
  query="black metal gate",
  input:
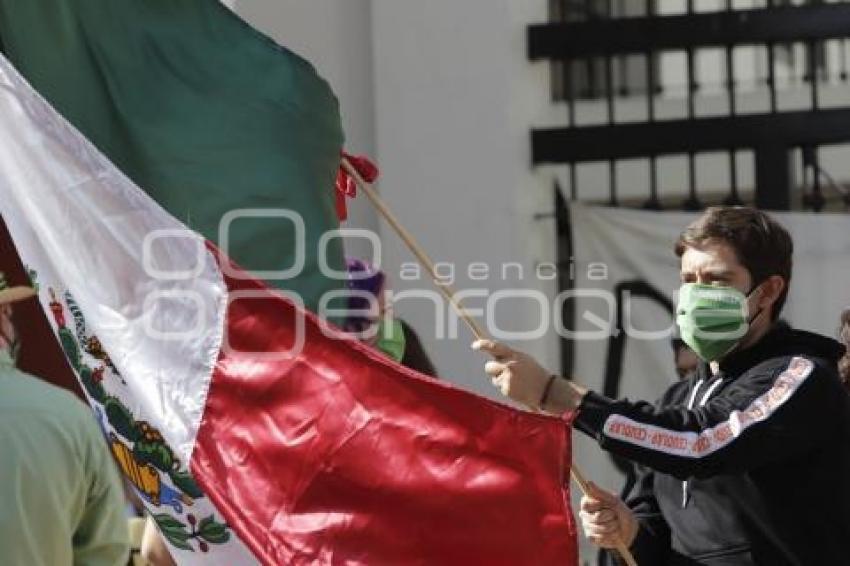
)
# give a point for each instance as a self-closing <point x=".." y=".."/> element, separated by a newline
<point x="594" y="45"/>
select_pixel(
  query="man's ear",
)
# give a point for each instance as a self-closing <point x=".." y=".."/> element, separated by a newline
<point x="771" y="289"/>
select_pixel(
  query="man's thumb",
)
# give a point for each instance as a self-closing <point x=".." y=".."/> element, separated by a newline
<point x="602" y="495"/>
<point x="495" y="349"/>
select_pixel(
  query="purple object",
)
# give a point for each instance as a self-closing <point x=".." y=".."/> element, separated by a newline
<point x="362" y="276"/>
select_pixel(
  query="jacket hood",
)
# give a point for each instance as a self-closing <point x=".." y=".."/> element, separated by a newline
<point x="783" y="340"/>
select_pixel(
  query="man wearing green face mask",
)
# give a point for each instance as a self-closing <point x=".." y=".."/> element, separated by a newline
<point x="746" y="462"/>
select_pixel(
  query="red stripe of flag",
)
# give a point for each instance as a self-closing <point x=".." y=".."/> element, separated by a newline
<point x="340" y="456"/>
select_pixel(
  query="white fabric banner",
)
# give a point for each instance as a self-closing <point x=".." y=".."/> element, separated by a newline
<point x="625" y="266"/>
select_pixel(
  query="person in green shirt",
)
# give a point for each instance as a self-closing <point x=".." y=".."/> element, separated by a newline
<point x="61" y="500"/>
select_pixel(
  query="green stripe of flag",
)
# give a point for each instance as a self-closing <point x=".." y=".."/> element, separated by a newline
<point x="199" y="109"/>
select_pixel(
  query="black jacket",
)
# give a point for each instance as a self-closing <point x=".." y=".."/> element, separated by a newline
<point x="751" y="466"/>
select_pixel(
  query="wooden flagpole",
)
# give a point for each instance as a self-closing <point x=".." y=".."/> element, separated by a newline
<point x="425" y="261"/>
<point x="449" y="293"/>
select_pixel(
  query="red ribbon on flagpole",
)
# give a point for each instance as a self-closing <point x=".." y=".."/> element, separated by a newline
<point x="346" y="187"/>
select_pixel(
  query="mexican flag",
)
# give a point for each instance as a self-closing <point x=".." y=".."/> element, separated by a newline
<point x="239" y="416"/>
<point x="253" y="430"/>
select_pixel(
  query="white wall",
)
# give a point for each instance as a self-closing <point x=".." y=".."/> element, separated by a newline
<point x="455" y="95"/>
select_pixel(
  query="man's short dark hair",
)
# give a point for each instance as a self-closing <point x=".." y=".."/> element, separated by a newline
<point x="761" y="244"/>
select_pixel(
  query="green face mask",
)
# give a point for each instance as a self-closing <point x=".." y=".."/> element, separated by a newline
<point x="391" y="339"/>
<point x="712" y="320"/>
